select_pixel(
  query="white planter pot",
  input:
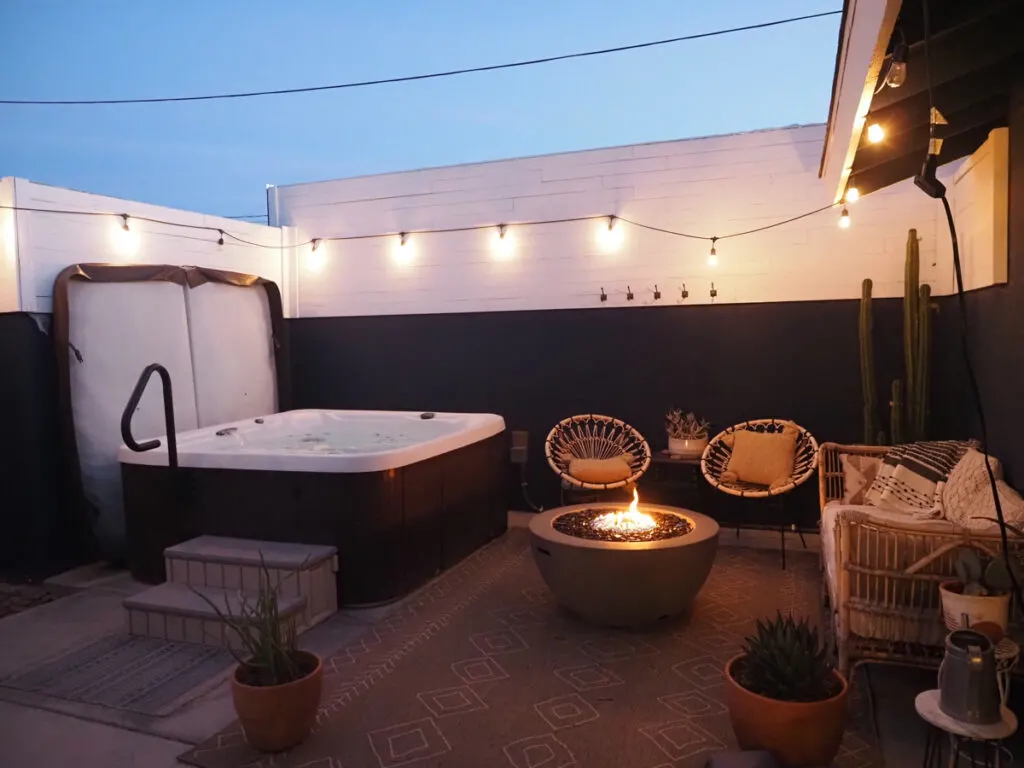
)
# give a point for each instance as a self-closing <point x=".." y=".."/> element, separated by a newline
<point x="687" y="449"/>
<point x="979" y="608"/>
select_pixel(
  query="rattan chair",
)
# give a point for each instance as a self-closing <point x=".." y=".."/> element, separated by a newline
<point x="592" y="436"/>
<point x="718" y="452"/>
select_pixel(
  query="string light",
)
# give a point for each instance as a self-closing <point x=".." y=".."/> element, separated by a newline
<point x="875" y="133"/>
<point x="124" y="222"/>
<point x="220" y="240"/>
<point x="315" y="242"/>
<point x="852" y="195"/>
<point x="316" y="261"/>
<point x="504" y="243"/>
<point x="844" y="219"/>
<point x="610" y="237"/>
<point x="403" y="238"/>
<point x="713" y="255"/>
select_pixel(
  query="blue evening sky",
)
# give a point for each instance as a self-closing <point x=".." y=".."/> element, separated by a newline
<point x="217" y="157"/>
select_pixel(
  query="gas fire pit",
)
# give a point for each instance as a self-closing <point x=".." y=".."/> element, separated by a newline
<point x="624" y="567"/>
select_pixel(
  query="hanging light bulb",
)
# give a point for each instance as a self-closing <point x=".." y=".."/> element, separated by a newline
<point x="403" y="238"/>
<point x="852" y="195"/>
<point x="844" y="219"/>
<point x="220" y="240"/>
<point x="713" y="255"/>
<point x="875" y="133"/>
<point x="504" y="243"/>
<point x="610" y="237"/>
<point x="124" y="222"/>
<point x="897" y="72"/>
<point x="315" y="242"/>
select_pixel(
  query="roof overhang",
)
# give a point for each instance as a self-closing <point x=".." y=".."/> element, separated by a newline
<point x="864" y="36"/>
<point x="967" y="67"/>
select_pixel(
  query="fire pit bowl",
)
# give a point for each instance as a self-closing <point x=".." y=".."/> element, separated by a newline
<point x="624" y="576"/>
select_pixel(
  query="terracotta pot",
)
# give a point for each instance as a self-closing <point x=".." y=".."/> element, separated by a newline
<point x="797" y="733"/>
<point x="979" y="609"/>
<point x="277" y="717"/>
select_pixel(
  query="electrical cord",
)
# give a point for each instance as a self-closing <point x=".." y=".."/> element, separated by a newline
<point x="427" y="76"/>
<point x="980" y="411"/>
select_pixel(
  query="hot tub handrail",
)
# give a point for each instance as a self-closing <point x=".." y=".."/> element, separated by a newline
<point x="133" y="403"/>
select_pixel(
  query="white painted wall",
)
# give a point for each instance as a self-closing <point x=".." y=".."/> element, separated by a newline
<point x="979" y="196"/>
<point x="8" y="249"/>
<point x="708" y="186"/>
<point x="48" y="242"/>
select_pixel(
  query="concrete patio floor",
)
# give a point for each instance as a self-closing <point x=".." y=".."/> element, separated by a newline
<point x="31" y="737"/>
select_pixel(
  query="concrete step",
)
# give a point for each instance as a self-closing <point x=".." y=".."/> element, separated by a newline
<point x="296" y="570"/>
<point x="176" y="612"/>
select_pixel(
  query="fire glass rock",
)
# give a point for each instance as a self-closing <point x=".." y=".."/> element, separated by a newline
<point x="581" y="525"/>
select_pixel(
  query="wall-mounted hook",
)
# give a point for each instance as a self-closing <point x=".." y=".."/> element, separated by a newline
<point x="714" y="291"/>
<point x="604" y="296"/>
<point x="629" y="293"/>
<point x="684" y="293"/>
<point x="657" y="293"/>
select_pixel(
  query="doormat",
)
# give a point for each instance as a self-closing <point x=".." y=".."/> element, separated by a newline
<point x="483" y="668"/>
<point x="133" y="674"/>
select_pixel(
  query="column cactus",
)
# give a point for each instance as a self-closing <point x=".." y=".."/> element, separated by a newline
<point x="867" y="367"/>
<point x="910" y="411"/>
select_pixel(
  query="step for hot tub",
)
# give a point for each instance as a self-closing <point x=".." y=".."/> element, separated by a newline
<point x="180" y="612"/>
<point x="298" y="570"/>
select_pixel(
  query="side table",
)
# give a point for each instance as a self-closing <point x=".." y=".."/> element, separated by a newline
<point x="981" y="744"/>
<point x="670" y="478"/>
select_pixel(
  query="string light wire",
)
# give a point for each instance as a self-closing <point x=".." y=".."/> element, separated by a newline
<point x="221" y="233"/>
<point x="425" y="76"/>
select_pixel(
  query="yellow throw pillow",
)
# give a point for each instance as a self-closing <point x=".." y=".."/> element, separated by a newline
<point x="600" y="471"/>
<point x="762" y="458"/>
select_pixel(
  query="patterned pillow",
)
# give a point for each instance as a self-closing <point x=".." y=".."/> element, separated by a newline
<point x="858" y="474"/>
<point x="912" y="476"/>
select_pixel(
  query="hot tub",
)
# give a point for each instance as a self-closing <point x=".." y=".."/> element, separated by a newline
<point x="402" y="495"/>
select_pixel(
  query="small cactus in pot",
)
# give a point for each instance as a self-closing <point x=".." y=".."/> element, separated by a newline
<point x="687" y="434"/>
<point x="981" y="593"/>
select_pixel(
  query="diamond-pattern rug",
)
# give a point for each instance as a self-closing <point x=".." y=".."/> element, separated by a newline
<point x="483" y="668"/>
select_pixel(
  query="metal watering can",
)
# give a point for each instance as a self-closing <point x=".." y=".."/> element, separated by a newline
<point x="968" y="688"/>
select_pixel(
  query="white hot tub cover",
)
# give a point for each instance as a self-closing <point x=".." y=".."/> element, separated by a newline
<point x="219" y="334"/>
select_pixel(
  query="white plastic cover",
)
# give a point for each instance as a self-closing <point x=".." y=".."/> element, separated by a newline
<point x="232" y="352"/>
<point x="118" y="329"/>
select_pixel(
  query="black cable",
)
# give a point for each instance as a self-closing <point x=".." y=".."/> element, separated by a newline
<point x="976" y="394"/>
<point x="428" y="76"/>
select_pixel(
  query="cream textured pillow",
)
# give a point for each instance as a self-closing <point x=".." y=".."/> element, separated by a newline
<point x="763" y="458"/>
<point x="601" y="471"/>
<point x="858" y="474"/>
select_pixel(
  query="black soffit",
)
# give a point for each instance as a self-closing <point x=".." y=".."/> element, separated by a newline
<point x="976" y="54"/>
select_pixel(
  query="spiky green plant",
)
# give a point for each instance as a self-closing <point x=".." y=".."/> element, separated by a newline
<point x="683" y="425"/>
<point x="269" y="654"/>
<point x="785" y="661"/>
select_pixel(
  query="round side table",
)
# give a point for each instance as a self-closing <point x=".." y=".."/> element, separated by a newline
<point x="981" y="744"/>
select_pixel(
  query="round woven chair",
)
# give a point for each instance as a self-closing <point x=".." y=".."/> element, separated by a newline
<point x="718" y="452"/>
<point x="592" y="436"/>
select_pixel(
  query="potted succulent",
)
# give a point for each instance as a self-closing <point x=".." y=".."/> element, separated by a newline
<point x="784" y="697"/>
<point x="687" y="434"/>
<point x="275" y="687"/>
<point x="980" y="595"/>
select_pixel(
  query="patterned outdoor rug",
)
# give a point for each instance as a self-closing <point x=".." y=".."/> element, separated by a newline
<point x="482" y="668"/>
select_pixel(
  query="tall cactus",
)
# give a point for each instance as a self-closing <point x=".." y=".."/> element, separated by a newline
<point x="908" y="406"/>
<point x="867" y="365"/>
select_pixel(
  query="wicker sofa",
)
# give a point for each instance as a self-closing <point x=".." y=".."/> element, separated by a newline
<point x="881" y="571"/>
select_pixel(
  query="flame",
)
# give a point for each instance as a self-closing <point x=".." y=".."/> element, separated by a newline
<point x="630" y="520"/>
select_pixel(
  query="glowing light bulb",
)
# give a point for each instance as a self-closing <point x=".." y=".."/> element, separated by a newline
<point x="875" y="133"/>
<point x="897" y="72"/>
<point x="317" y="258"/>
<point x="852" y="195"/>
<point x="610" y="235"/>
<point x="713" y="255"/>
<point x="504" y="243"/>
<point x="404" y="251"/>
<point x="844" y="219"/>
<point x="315" y="242"/>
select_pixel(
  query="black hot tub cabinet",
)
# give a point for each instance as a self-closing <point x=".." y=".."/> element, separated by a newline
<point x="402" y="496"/>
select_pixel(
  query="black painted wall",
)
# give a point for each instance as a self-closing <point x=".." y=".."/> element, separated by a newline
<point x="39" y="534"/>
<point x="996" y="323"/>
<point x="728" y="363"/>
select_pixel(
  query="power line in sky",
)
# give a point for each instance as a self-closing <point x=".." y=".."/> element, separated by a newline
<point x="426" y="76"/>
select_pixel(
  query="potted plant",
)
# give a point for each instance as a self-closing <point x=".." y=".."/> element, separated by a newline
<point x="275" y="687"/>
<point x="980" y="595"/>
<point x="687" y="434"/>
<point x="784" y="697"/>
